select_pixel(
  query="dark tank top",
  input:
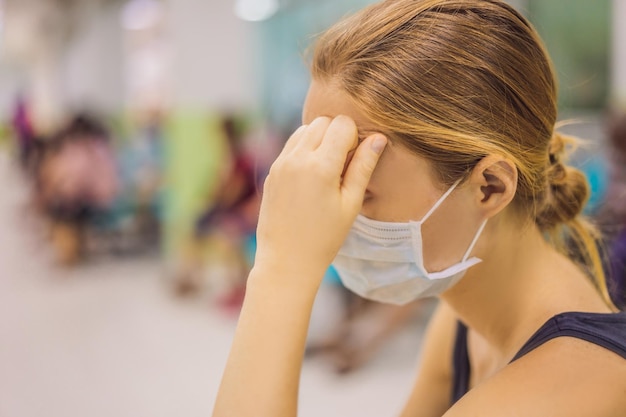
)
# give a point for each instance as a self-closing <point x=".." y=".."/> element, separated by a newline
<point x="606" y="330"/>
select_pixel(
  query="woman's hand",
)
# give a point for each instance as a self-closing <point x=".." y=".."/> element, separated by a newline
<point x="308" y="206"/>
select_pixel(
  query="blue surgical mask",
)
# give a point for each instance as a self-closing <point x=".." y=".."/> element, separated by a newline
<point x="384" y="261"/>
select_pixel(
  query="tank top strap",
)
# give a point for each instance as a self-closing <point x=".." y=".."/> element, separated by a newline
<point x="460" y="365"/>
<point x="606" y="330"/>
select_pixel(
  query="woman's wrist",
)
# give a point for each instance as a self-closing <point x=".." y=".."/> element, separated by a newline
<point x="294" y="281"/>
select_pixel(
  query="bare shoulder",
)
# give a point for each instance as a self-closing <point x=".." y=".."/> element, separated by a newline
<point x="431" y="391"/>
<point x="564" y="377"/>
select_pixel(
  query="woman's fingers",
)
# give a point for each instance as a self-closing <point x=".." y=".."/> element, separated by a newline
<point x="340" y="138"/>
<point x="313" y="135"/>
<point x="293" y="140"/>
<point x="306" y="137"/>
<point x="361" y="167"/>
<point x="330" y="142"/>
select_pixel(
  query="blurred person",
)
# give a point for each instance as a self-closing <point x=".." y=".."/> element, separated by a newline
<point x="237" y="185"/>
<point x="612" y="215"/>
<point x="226" y="228"/>
<point x="23" y="131"/>
<point x="138" y="209"/>
<point x="76" y="178"/>
<point x="428" y="164"/>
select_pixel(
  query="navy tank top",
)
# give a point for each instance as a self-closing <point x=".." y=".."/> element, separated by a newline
<point x="606" y="330"/>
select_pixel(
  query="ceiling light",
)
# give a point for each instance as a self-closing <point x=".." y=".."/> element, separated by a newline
<point x="255" y="10"/>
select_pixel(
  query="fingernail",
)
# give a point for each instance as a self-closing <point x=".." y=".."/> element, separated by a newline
<point x="378" y="144"/>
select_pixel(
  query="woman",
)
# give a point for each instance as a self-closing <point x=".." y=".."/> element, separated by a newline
<point x="428" y="165"/>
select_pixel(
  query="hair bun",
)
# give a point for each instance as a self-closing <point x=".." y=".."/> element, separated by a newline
<point x="567" y="188"/>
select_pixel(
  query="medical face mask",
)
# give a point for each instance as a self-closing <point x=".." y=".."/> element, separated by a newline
<point x="384" y="261"/>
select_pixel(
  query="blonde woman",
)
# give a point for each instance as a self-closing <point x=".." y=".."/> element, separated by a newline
<point x="428" y="165"/>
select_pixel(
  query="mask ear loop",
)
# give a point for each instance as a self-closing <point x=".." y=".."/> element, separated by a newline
<point x="438" y="203"/>
<point x="471" y="246"/>
<point x="441" y="199"/>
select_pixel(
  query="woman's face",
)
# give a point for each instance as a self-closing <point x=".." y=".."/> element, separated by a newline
<point x="402" y="187"/>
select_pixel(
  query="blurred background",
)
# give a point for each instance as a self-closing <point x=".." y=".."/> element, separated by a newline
<point x="134" y="138"/>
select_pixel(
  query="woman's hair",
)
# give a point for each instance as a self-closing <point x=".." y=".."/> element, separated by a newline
<point x="455" y="81"/>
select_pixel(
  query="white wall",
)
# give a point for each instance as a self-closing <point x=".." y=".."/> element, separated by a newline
<point x="33" y="36"/>
<point x="212" y="56"/>
<point x="94" y="72"/>
<point x="10" y="82"/>
<point x="211" y="59"/>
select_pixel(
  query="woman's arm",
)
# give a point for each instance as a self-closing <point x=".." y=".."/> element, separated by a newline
<point x="306" y="212"/>
<point x="263" y="369"/>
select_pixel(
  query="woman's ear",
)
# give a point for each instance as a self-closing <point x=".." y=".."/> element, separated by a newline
<point x="495" y="181"/>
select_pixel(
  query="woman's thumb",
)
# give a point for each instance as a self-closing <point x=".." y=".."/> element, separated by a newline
<point x="362" y="166"/>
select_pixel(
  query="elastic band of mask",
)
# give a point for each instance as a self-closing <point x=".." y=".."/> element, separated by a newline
<point x="471" y="246"/>
<point x="441" y="199"/>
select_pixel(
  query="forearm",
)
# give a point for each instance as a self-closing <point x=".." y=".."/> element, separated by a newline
<point x="263" y="370"/>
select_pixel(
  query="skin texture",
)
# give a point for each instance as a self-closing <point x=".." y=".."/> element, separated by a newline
<point x="314" y="191"/>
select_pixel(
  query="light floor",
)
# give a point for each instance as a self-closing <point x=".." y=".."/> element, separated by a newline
<point x="109" y="340"/>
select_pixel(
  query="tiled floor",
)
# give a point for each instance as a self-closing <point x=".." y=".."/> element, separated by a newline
<point x="108" y="340"/>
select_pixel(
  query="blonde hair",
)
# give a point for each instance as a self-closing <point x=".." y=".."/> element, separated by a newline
<point x="455" y="81"/>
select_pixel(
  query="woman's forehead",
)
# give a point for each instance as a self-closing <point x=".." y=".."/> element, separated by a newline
<point x="327" y="100"/>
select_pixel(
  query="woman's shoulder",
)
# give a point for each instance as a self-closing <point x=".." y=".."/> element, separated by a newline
<point x="564" y="376"/>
